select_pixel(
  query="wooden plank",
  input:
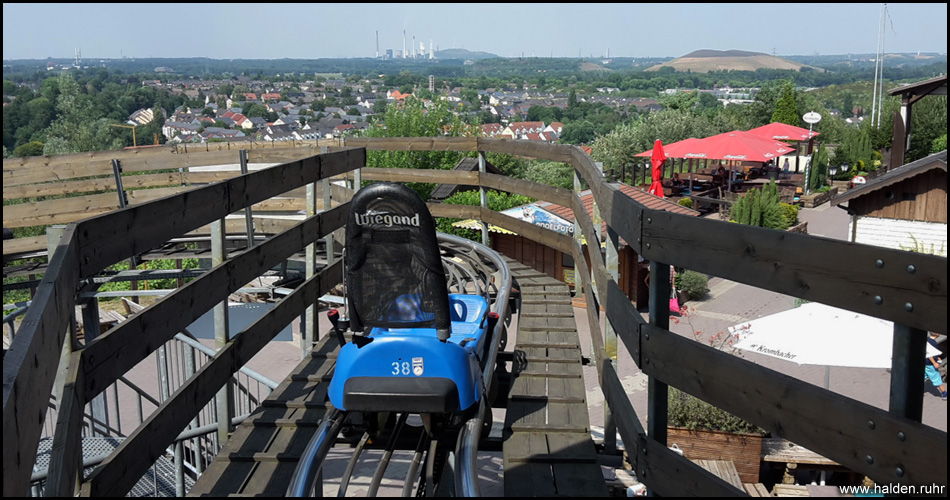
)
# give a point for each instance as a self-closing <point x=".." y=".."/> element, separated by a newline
<point x="121" y="470"/>
<point x="579" y="480"/>
<point x="65" y="459"/>
<point x="413" y="143"/>
<point x="202" y="206"/>
<point x="790" y="490"/>
<point x="115" y="352"/>
<point x="420" y="175"/>
<point x="61" y="211"/>
<point x="670" y="474"/>
<point x="528" y="149"/>
<point x="102" y="184"/>
<point x="756" y="490"/>
<point x="834" y="272"/>
<point x="534" y="190"/>
<point x="24" y="245"/>
<point x="30" y="364"/>
<point x="569" y="415"/>
<point x="787" y="407"/>
<point x="526" y="413"/>
<point x="784" y="451"/>
<point x="528" y="230"/>
<point x="456" y="211"/>
<point x="724" y="469"/>
<point x="523" y="480"/>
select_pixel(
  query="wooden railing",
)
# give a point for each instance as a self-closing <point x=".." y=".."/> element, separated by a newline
<point x="891" y="447"/>
<point x="61" y="189"/>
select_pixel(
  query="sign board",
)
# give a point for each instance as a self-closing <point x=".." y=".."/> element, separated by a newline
<point x="811" y="117"/>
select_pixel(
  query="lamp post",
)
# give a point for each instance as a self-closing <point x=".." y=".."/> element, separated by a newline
<point x="810" y="118"/>
<point x="832" y="170"/>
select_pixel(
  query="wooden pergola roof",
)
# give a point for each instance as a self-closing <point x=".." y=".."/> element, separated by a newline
<point x="910" y="94"/>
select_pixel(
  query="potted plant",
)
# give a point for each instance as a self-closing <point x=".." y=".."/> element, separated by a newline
<point x="690" y="285"/>
<point x="705" y="432"/>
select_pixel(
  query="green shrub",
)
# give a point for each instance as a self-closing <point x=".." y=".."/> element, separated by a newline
<point x="693" y="283"/>
<point x="789" y="214"/>
<point x="692" y="413"/>
<point x="760" y="207"/>
<point x="686" y="202"/>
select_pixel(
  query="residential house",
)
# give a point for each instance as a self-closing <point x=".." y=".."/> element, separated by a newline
<point x="517" y="130"/>
<point x="906" y="208"/>
<point x="556" y="127"/>
<point x="257" y="122"/>
<point x="141" y="116"/>
<point x="292" y="120"/>
<point x="171" y="129"/>
<point x="270" y="97"/>
<point x="342" y="129"/>
<point x="396" y="95"/>
<point x="492" y="130"/>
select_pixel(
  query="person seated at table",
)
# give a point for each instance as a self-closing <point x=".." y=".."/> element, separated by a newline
<point x="676" y="181"/>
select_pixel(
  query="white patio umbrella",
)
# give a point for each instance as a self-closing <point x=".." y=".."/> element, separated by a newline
<point x="817" y="334"/>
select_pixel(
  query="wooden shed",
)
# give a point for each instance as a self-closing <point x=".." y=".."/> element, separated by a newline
<point x="561" y="266"/>
<point x="905" y="208"/>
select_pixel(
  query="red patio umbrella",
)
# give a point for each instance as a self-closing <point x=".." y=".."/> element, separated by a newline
<point x="672" y="150"/>
<point x="657" y="158"/>
<point x="782" y="132"/>
<point x="737" y="145"/>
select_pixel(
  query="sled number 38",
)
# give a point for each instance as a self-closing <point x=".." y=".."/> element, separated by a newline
<point x="405" y="368"/>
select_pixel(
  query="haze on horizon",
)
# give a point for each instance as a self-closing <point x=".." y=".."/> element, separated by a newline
<point x="314" y="31"/>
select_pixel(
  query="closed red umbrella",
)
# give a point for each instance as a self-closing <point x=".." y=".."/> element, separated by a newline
<point x="657" y="158"/>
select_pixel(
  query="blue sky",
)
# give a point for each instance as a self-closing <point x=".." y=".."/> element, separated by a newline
<point x="311" y="31"/>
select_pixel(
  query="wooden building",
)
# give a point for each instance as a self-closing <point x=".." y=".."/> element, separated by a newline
<point x="560" y="265"/>
<point x="905" y="208"/>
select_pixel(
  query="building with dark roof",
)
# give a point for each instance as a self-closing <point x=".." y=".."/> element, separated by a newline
<point x="906" y="208"/>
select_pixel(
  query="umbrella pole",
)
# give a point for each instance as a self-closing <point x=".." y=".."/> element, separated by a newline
<point x="690" y="176"/>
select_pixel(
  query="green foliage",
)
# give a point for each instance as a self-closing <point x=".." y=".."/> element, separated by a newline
<point x="819" y="169"/>
<point x="76" y="129"/>
<point x="929" y="123"/>
<point x="692" y="413"/>
<point x="939" y="144"/>
<point x="552" y="173"/>
<point x="681" y="101"/>
<point x="760" y="207"/>
<point x="789" y="214"/>
<point x="152" y="265"/>
<point x="33" y="148"/>
<point x="918" y="246"/>
<point x="855" y="150"/>
<point x="512" y="166"/>
<point x="694" y="283"/>
<point x="686" y="202"/>
<point x="413" y="119"/>
<point x="497" y="201"/>
<point x="618" y="147"/>
<point x="785" y="109"/>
